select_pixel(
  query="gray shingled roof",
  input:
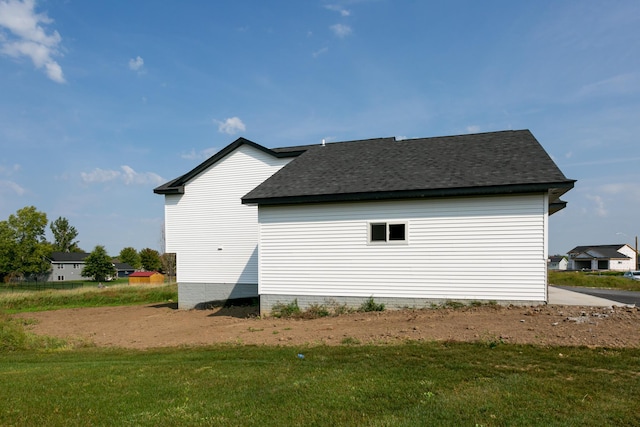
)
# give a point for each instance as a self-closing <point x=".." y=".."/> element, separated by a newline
<point x="505" y="162"/>
<point x="69" y="256"/>
<point x="598" y="252"/>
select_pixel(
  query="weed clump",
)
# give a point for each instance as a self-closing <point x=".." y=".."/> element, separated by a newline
<point x="13" y="337"/>
<point x="330" y="308"/>
<point x="282" y="310"/>
<point x="371" y="305"/>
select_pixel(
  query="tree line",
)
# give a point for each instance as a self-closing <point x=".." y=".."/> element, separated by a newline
<point x="25" y="252"/>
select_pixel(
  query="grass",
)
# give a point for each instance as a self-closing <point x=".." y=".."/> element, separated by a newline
<point x="116" y="295"/>
<point x="593" y="280"/>
<point x="47" y="382"/>
<point x="411" y="384"/>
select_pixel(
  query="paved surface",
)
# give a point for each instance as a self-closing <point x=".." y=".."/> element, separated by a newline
<point x="625" y="297"/>
<point x="564" y="296"/>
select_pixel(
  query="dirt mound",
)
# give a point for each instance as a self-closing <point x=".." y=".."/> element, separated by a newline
<point x="163" y="325"/>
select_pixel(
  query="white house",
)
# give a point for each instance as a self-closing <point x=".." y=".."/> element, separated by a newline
<point x="557" y="262"/>
<point x="406" y="222"/>
<point x="618" y="257"/>
<point x="215" y="236"/>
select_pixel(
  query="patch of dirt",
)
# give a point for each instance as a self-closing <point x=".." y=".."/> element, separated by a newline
<point x="149" y="326"/>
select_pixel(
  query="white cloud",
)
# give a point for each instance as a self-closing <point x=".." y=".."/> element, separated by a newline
<point x="191" y="155"/>
<point x="473" y="129"/>
<point x="341" y="30"/>
<point x="30" y="39"/>
<point x="627" y="189"/>
<point x="127" y="175"/>
<point x="231" y="126"/>
<point x="600" y="209"/>
<point x="9" y="170"/>
<point x="622" y="84"/>
<point x="10" y="187"/>
<point x="320" y="52"/>
<point x="204" y="154"/>
<point x="136" y="64"/>
<point x="339" y="9"/>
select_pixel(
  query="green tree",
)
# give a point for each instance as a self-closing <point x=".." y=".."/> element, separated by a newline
<point x="168" y="260"/>
<point x="64" y="235"/>
<point x="7" y="250"/>
<point x="150" y="259"/>
<point x="27" y="246"/>
<point x="130" y="256"/>
<point x="99" y="265"/>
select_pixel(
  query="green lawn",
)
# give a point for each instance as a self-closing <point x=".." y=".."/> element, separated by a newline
<point x="44" y="381"/>
<point x="112" y="295"/>
<point x="593" y="280"/>
<point x="407" y="385"/>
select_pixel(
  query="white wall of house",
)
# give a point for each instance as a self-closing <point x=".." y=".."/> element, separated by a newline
<point x="613" y="264"/>
<point x="483" y="248"/>
<point x="561" y="265"/>
<point x="213" y="234"/>
<point x="624" y="264"/>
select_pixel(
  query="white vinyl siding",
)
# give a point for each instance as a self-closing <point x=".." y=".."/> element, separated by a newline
<point x="483" y="248"/>
<point x="215" y="236"/>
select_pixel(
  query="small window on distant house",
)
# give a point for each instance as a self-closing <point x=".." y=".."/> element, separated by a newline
<point x="387" y="232"/>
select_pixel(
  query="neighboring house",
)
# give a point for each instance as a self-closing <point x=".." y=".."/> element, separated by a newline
<point x="123" y="269"/>
<point x="620" y="257"/>
<point x="146" y="278"/>
<point x="406" y="222"/>
<point x="67" y="266"/>
<point x="557" y="263"/>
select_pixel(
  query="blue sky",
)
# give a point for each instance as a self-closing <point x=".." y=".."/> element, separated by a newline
<point x="101" y="101"/>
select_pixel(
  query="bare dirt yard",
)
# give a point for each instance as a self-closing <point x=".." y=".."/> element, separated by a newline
<point x="150" y="326"/>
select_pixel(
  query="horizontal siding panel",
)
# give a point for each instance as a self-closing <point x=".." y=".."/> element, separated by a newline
<point x="479" y="248"/>
<point x="215" y="237"/>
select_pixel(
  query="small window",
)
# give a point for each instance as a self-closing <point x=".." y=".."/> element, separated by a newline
<point x="379" y="232"/>
<point x="387" y="232"/>
<point x="397" y="232"/>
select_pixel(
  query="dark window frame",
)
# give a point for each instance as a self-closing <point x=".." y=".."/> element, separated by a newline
<point x="388" y="232"/>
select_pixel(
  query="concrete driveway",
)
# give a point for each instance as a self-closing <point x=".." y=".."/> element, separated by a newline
<point x="559" y="296"/>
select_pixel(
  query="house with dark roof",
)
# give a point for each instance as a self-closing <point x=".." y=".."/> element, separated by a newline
<point x="123" y="269"/>
<point x="618" y="257"/>
<point x="557" y="262"/>
<point x="67" y="266"/>
<point x="407" y="222"/>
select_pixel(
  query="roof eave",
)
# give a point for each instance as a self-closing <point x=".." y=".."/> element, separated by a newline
<point x="558" y="187"/>
<point x="176" y="186"/>
<point x="169" y="190"/>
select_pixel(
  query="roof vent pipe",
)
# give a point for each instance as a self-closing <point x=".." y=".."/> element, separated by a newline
<point x="323" y="142"/>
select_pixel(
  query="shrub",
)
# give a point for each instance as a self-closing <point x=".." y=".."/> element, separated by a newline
<point x="291" y="309"/>
<point x="315" y="311"/>
<point x="371" y="305"/>
<point x="339" y="309"/>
